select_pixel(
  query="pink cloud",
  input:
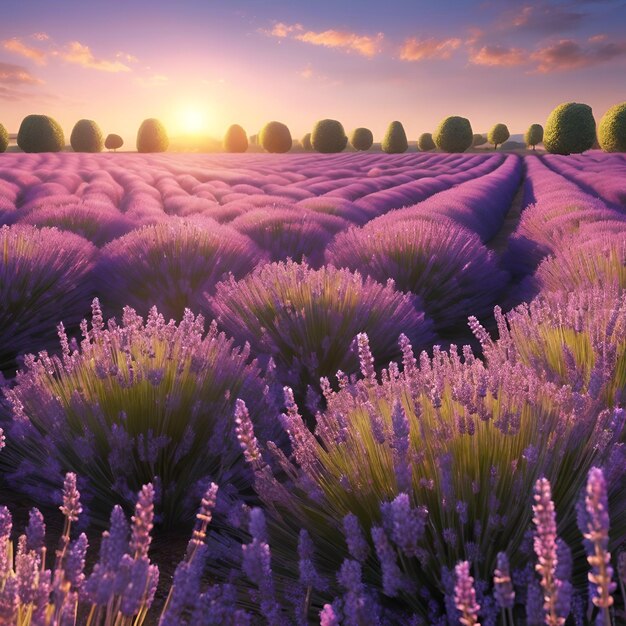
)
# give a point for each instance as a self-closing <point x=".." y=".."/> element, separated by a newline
<point x="40" y="36"/>
<point x="568" y="54"/>
<point x="17" y="46"/>
<point x="80" y="54"/>
<point x="365" y="45"/>
<point x="497" y="55"/>
<point x="17" y="75"/>
<point x="543" y="17"/>
<point x="282" y="30"/>
<point x="417" y="50"/>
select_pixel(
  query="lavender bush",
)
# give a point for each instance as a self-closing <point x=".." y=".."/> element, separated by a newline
<point x="306" y="320"/>
<point x="171" y="265"/>
<point x="135" y="403"/>
<point x="444" y="264"/>
<point x="576" y="339"/>
<point x="438" y="464"/>
<point x="45" y="275"/>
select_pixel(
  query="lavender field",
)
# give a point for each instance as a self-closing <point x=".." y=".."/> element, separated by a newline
<point x="372" y="388"/>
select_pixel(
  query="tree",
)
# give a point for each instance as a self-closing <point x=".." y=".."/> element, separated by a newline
<point x="454" y="134"/>
<point x="40" y="133"/>
<point x="394" y="141"/>
<point x="612" y="129"/>
<point x="86" y="137"/>
<point x="425" y="142"/>
<point x="113" y="142"/>
<point x="534" y="135"/>
<point x="570" y="129"/>
<point x="152" y="136"/>
<point x="275" y="137"/>
<point x="498" y="135"/>
<point x="235" y="139"/>
<point x="479" y="140"/>
<point x="4" y="138"/>
<point x="306" y="142"/>
<point x="328" y="136"/>
<point x="362" y="139"/>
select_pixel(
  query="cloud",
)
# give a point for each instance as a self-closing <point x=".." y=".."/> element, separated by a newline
<point x="365" y="45"/>
<point x="40" y="36"/>
<point x="129" y="58"/>
<point x="543" y="17"/>
<point x="17" y="75"/>
<point x="80" y="54"/>
<point x="17" y="46"/>
<point x="417" y="50"/>
<point x="282" y="30"/>
<point x="568" y="54"/>
<point x="496" y="55"/>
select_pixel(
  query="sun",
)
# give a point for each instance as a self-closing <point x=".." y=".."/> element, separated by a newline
<point x="193" y="120"/>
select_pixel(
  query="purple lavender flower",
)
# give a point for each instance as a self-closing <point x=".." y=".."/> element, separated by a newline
<point x="503" y="588"/>
<point x="546" y="549"/>
<point x="328" y="617"/>
<point x="35" y="531"/>
<point x="75" y="562"/>
<point x="71" y="506"/>
<point x="405" y="524"/>
<point x="596" y="532"/>
<point x="465" y="596"/>
<point x="355" y="539"/>
<point x="393" y="580"/>
<point x="142" y="522"/>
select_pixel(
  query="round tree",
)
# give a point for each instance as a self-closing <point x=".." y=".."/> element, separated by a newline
<point x="86" y="137"/>
<point x="4" y="138"/>
<point x="275" y="137"/>
<point x="328" y="136"/>
<point x="479" y="140"/>
<point x="306" y="142"/>
<point x="454" y="134"/>
<point x="113" y="142"/>
<point x="394" y="141"/>
<point x="40" y="133"/>
<point x="498" y="134"/>
<point x="362" y="139"/>
<point x="612" y="129"/>
<point x="570" y="129"/>
<point x="152" y="136"/>
<point x="425" y="142"/>
<point x="235" y="139"/>
<point x="534" y="135"/>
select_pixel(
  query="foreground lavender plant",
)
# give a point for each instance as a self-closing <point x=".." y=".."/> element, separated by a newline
<point x="437" y="464"/>
<point x="135" y="401"/>
<point x="465" y="596"/>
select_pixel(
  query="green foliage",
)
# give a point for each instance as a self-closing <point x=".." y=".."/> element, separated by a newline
<point x="235" y="139"/>
<point x="152" y="136"/>
<point x="454" y="134"/>
<point x="612" y="129"/>
<point x="534" y="135"/>
<point x="498" y="134"/>
<point x="113" y="142"/>
<point x="426" y="142"/>
<point x="479" y="140"/>
<point x="328" y="137"/>
<point x="362" y="139"/>
<point x="40" y="133"/>
<point x="86" y="137"/>
<point x="394" y="141"/>
<point x="306" y="142"/>
<point x="4" y="138"/>
<point x="275" y="137"/>
<point x="570" y="129"/>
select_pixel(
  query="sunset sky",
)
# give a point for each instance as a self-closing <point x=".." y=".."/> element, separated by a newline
<point x="201" y="65"/>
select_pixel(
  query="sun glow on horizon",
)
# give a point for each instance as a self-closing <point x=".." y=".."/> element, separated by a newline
<point x="192" y="119"/>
